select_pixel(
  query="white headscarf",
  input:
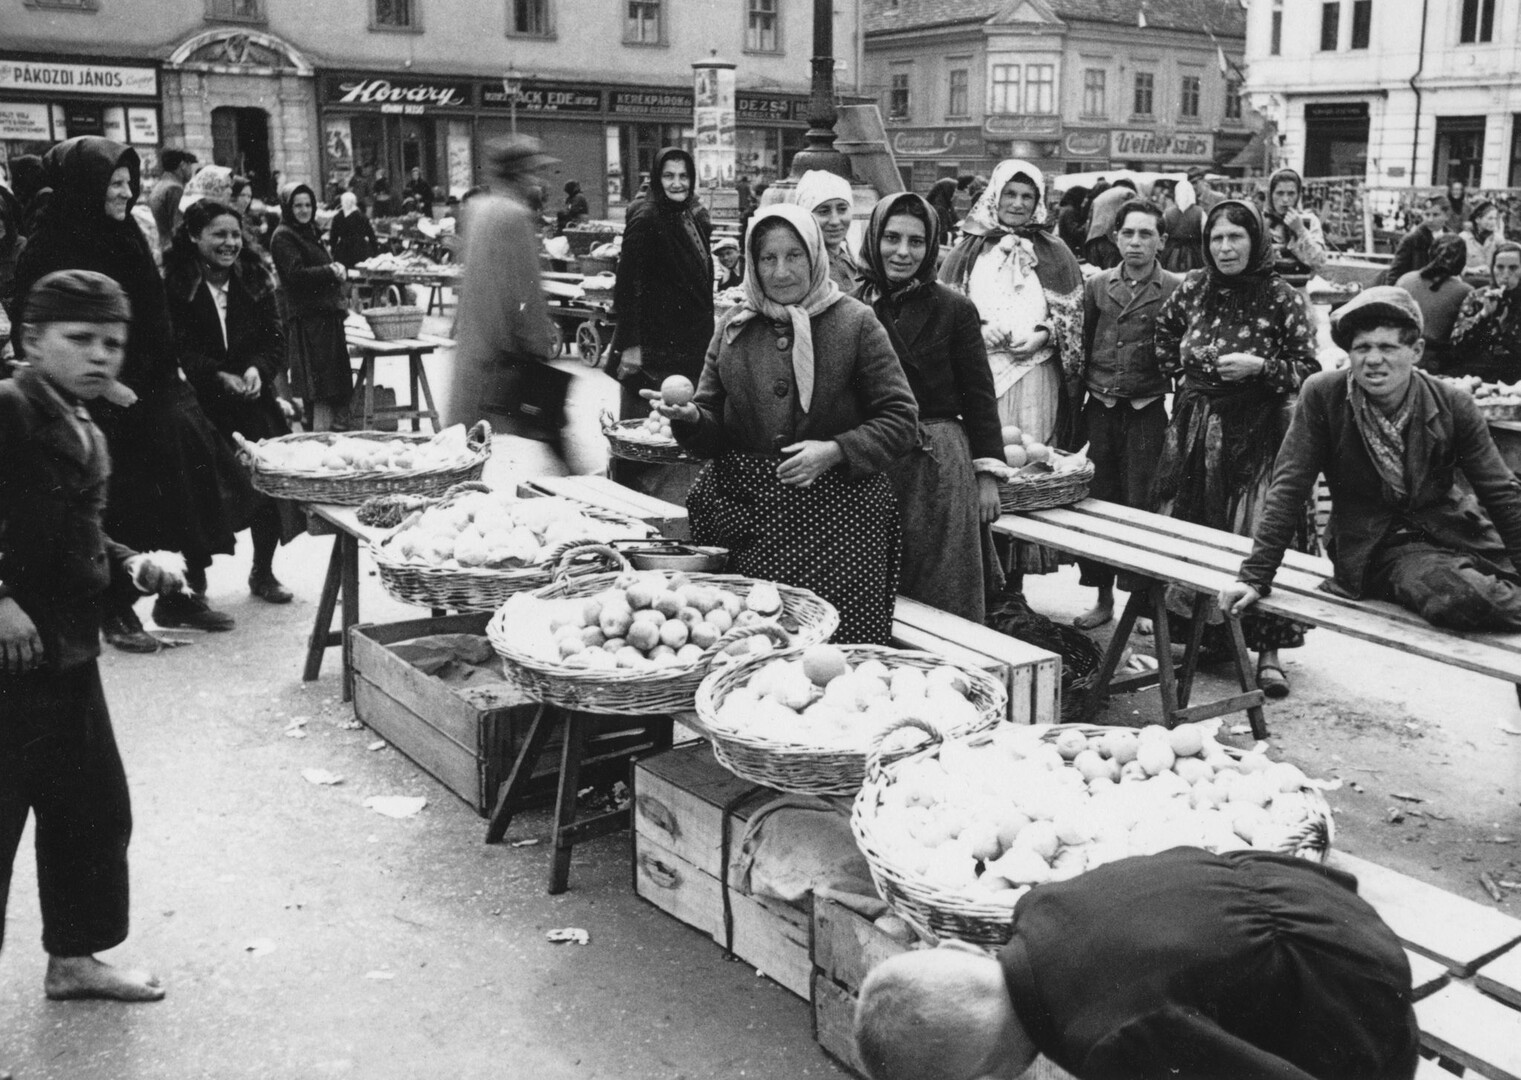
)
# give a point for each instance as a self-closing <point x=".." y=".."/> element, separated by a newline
<point x="348" y="202"/>
<point x="823" y="293"/>
<point x="983" y="217"/>
<point x="819" y="186"/>
<point x="212" y="182"/>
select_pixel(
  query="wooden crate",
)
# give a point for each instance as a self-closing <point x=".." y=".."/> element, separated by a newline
<point x="1032" y="676"/>
<point x="679" y="801"/>
<point x="846" y="946"/>
<point x="468" y="749"/>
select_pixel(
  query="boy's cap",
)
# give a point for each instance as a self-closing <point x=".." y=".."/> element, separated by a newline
<point x="728" y="243"/>
<point x="1198" y="172"/>
<point x="76" y="296"/>
<point x="1380" y="304"/>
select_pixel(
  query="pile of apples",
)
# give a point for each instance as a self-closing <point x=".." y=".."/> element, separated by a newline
<point x="992" y="816"/>
<point x="1488" y="393"/>
<point x="653" y="620"/>
<point x="1019" y="449"/>
<point x="495" y="530"/>
<point x="676" y="390"/>
<point x="818" y="699"/>
<point x="342" y="454"/>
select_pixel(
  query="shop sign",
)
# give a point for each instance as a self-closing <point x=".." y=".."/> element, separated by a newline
<point x="544" y="98"/>
<point x="411" y="96"/>
<point x="84" y="120"/>
<point x="29" y="122"/>
<point x="1156" y="146"/>
<point x="757" y="109"/>
<point x="1086" y="144"/>
<point x="1022" y="124"/>
<point x="142" y="126"/>
<point x="676" y="104"/>
<point x="937" y="142"/>
<point x="109" y="80"/>
<point x="1336" y="110"/>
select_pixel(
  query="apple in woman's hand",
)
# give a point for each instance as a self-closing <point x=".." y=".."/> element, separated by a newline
<point x="677" y="390"/>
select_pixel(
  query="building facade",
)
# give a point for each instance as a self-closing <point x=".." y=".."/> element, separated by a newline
<point x="310" y="91"/>
<point x="1070" y="85"/>
<point x="1407" y="92"/>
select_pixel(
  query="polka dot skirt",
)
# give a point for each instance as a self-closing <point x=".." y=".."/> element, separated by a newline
<point x="837" y="537"/>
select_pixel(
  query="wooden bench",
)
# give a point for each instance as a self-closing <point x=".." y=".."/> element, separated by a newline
<point x="1205" y="560"/>
<point x="363" y="341"/>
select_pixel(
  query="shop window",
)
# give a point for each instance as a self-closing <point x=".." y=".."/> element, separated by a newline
<point x="1040" y="88"/>
<point x="235" y="10"/>
<point x="1093" y="93"/>
<point x="1330" y="25"/>
<point x="1478" y="22"/>
<point x="1275" y="32"/>
<point x="394" y="15"/>
<point x="1362" y="23"/>
<point x="1145" y="88"/>
<point x="644" y="25"/>
<point x="1188" y="99"/>
<point x="1233" y="100"/>
<point x="897" y="97"/>
<point x="760" y="27"/>
<point x="956" y="100"/>
<point x="530" y="18"/>
<point x="1459" y="150"/>
<point x="1005" y="88"/>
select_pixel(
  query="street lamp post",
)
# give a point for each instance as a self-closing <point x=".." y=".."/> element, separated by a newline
<point x="512" y="85"/>
<point x="820" y="152"/>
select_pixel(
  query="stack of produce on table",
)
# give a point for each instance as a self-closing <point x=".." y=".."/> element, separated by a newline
<point x="1497" y="400"/>
<point x="655" y="429"/>
<point x="495" y="530"/>
<point x="819" y="699"/>
<point x="1020" y="449"/>
<point x="336" y="455"/>
<point x="1039" y="476"/>
<point x="645" y="620"/>
<point x="406" y="262"/>
<point x="990" y="816"/>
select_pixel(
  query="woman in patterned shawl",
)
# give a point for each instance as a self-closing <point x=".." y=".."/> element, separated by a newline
<point x="1239" y="341"/>
<point x="1028" y="289"/>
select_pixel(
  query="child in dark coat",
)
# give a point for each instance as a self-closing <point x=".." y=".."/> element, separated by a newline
<point x="58" y="757"/>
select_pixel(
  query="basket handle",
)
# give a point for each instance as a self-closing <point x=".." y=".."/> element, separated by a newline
<point x="607" y="420"/>
<point x="779" y="637"/>
<point x="246" y="452"/>
<point x="874" y="759"/>
<point x="479" y="435"/>
<point x="571" y="550"/>
<point x="464" y="487"/>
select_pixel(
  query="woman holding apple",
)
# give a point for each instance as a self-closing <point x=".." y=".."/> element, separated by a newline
<point x="946" y="489"/>
<point x="1237" y="339"/>
<point x="803" y="407"/>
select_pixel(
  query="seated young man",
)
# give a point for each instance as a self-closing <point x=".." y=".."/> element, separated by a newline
<point x="1390" y="440"/>
<point x="1179" y="965"/>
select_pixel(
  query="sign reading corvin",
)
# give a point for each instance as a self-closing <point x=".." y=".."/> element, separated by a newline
<point x="107" y="80"/>
<point x="382" y="92"/>
<point x="1154" y="145"/>
<point x="937" y="142"/>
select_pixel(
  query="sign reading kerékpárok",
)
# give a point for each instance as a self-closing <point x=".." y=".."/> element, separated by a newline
<point x="102" y="80"/>
<point x="1156" y="146"/>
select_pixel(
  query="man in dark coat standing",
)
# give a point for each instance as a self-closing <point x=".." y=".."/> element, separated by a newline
<point x="164" y="200"/>
<point x="1390" y="440"/>
<point x="1414" y="250"/>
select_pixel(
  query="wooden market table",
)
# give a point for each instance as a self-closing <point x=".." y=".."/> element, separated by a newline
<point x="435" y="281"/>
<point x="1507" y="436"/>
<point x="364" y="342"/>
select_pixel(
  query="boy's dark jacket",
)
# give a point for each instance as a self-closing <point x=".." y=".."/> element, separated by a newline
<point x="55" y="558"/>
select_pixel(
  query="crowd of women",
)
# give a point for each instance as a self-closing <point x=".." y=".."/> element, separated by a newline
<point x="213" y="335"/>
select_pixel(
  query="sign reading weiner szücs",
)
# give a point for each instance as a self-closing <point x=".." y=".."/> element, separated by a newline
<point x="101" y="80"/>
<point x="383" y="93"/>
<point x="1156" y="146"/>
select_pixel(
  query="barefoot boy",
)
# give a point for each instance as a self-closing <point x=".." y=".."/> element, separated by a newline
<point x="58" y="757"/>
<point x="1125" y="415"/>
<point x="1183" y="965"/>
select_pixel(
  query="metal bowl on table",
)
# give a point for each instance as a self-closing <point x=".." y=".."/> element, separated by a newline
<point x="673" y="555"/>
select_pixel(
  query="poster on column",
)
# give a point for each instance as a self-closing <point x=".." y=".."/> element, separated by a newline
<point x="460" y="175"/>
<point x="338" y="139"/>
<point x="713" y="119"/>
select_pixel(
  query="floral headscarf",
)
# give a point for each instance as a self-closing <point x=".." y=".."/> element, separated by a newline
<point x="212" y="182"/>
<point x="1053" y="261"/>
<point x="822" y="294"/>
<point x="983" y="217"/>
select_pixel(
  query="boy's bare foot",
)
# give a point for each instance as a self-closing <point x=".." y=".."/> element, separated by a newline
<point x="1095" y="617"/>
<point x="70" y="978"/>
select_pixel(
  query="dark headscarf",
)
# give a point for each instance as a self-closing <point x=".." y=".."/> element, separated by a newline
<point x="943" y="193"/>
<point x="874" y="281"/>
<point x="27" y="177"/>
<point x="680" y="218"/>
<point x="572" y="187"/>
<point x="1292" y="177"/>
<point x="1475" y="212"/>
<point x="1449" y="256"/>
<point x="288" y="193"/>
<point x="1259" y="262"/>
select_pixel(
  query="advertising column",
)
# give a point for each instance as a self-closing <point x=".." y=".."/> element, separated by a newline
<point x="714" y="119"/>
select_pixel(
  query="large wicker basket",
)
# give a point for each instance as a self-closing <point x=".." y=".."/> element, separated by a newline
<point x="806" y="619"/>
<point x="1043" y="491"/>
<point x="353" y="488"/>
<point x="621" y="446"/>
<point x="482" y="588"/>
<point x="394" y="323"/>
<point x="937" y="912"/>
<point x="818" y="770"/>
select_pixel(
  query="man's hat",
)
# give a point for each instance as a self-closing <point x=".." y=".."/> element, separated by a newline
<point x="76" y="296"/>
<point x="1380" y="305"/>
<point x="1198" y="172"/>
<point x="725" y="243"/>
<point x="517" y="155"/>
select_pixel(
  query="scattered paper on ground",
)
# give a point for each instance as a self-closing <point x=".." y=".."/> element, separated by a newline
<point x="1509" y="730"/>
<point x="525" y="843"/>
<point x="296" y="729"/>
<point x="259" y="947"/>
<point x="380" y="974"/>
<point x="396" y="806"/>
<point x="321" y="776"/>
<point x="378" y="744"/>
<point x="573" y="935"/>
